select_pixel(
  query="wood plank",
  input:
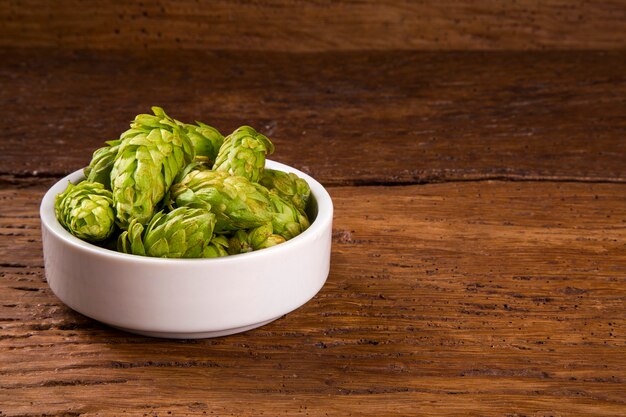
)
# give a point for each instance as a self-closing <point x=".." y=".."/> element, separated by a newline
<point x="346" y="118"/>
<point x="315" y="25"/>
<point x="481" y="298"/>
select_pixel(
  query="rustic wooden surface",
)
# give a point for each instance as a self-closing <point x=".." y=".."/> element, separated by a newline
<point x="488" y="297"/>
<point x="318" y="25"/>
<point x="479" y="245"/>
<point x="390" y="117"/>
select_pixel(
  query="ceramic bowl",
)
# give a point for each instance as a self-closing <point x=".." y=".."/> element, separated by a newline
<point x="188" y="298"/>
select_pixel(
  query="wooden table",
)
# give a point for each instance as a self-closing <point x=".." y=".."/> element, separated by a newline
<point x="479" y="244"/>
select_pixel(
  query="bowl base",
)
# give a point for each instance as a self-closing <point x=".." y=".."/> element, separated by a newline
<point x="196" y="335"/>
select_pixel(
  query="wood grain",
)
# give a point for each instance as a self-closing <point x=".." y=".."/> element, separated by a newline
<point x="479" y="255"/>
<point x="322" y="25"/>
<point x="485" y="298"/>
<point x="345" y="118"/>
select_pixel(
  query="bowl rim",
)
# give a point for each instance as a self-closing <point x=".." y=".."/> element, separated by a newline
<point x="317" y="227"/>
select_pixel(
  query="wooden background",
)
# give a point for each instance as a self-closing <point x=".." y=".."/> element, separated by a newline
<point x="475" y="155"/>
<point x="319" y="25"/>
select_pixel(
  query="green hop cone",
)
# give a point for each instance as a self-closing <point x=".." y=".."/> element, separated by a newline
<point x="206" y="140"/>
<point x="182" y="233"/>
<point x="263" y="237"/>
<point x="99" y="169"/>
<point x="288" y="186"/>
<point x="131" y="240"/>
<point x="86" y="211"/>
<point x="238" y="243"/>
<point x="151" y="155"/>
<point x="236" y="202"/>
<point x="217" y="248"/>
<point x="243" y="153"/>
<point x="249" y="240"/>
<point x="144" y="123"/>
<point x="287" y="220"/>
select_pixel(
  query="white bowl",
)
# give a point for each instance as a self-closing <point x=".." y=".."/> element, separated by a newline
<point x="188" y="298"/>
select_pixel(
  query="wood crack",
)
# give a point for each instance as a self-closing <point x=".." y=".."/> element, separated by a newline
<point x="448" y="180"/>
<point x="21" y="180"/>
<point x="67" y="383"/>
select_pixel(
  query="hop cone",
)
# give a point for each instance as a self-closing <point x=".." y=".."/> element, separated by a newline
<point x="99" y="169"/>
<point x="131" y="240"/>
<point x="150" y="156"/>
<point x="287" y="221"/>
<point x="86" y="211"/>
<point x="243" y="153"/>
<point x="206" y="140"/>
<point x="236" y="202"/>
<point x="259" y="238"/>
<point x="217" y="248"/>
<point x="181" y="233"/>
<point x="288" y="186"/>
<point x="144" y="123"/>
